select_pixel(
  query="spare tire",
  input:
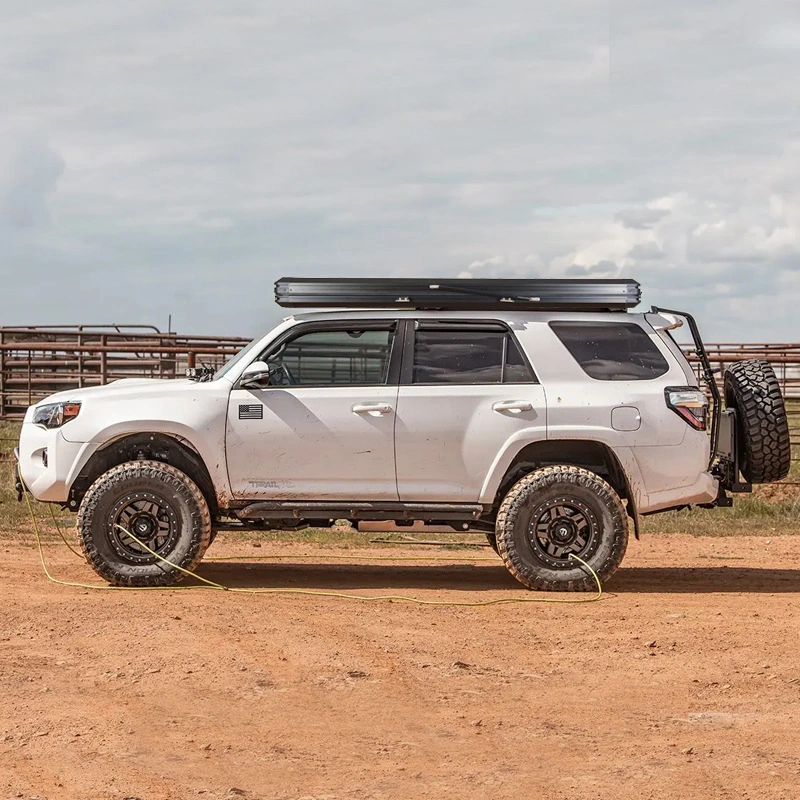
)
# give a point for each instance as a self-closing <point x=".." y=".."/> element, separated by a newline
<point x="765" y="451"/>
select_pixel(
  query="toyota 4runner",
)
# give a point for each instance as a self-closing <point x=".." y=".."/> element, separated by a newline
<point x="544" y="413"/>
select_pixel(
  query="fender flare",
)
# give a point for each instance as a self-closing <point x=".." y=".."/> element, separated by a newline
<point x="622" y="457"/>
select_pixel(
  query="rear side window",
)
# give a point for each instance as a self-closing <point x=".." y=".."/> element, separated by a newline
<point x="468" y="356"/>
<point x="612" y="351"/>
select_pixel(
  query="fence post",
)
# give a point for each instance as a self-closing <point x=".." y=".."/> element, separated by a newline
<point x="3" y="410"/>
<point x="103" y="360"/>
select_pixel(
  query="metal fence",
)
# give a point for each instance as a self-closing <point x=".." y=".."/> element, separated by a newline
<point x="785" y="358"/>
<point x="37" y="361"/>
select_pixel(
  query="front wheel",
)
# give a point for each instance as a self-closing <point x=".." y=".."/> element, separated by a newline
<point x="554" y="514"/>
<point x="161" y="507"/>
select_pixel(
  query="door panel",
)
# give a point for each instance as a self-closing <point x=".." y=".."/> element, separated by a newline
<point x="447" y="437"/>
<point x="466" y="389"/>
<point x="327" y="443"/>
<point x="323" y="427"/>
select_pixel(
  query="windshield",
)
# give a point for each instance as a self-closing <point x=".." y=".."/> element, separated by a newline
<point x="241" y="355"/>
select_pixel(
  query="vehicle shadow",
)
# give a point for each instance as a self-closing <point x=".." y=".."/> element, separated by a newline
<point x="487" y="577"/>
<point x="345" y="576"/>
<point x="705" y="580"/>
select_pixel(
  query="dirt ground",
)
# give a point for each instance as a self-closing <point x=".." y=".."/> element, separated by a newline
<point x="684" y="682"/>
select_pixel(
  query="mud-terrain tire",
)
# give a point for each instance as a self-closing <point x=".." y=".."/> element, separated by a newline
<point x="752" y="388"/>
<point x="555" y="511"/>
<point x="161" y="506"/>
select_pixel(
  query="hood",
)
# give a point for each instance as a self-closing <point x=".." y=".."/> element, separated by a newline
<point x="125" y="386"/>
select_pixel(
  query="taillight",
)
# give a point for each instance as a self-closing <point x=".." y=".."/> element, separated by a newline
<point x="691" y="404"/>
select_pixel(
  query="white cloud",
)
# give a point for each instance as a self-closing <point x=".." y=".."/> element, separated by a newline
<point x="178" y="159"/>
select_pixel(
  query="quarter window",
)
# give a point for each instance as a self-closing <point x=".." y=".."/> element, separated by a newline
<point x="611" y="351"/>
<point x="333" y="358"/>
<point x="468" y="356"/>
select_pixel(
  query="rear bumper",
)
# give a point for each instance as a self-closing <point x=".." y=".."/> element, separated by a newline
<point x="704" y="490"/>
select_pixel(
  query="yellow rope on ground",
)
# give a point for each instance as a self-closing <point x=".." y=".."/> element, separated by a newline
<point x="60" y="533"/>
<point x="212" y="585"/>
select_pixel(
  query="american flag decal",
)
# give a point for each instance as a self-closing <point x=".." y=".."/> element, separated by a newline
<point x="255" y="411"/>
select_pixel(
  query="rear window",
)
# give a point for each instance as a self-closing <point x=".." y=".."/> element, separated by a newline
<point x="612" y="351"/>
<point x="468" y="356"/>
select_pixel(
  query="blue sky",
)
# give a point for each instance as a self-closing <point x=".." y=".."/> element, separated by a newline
<point x="176" y="158"/>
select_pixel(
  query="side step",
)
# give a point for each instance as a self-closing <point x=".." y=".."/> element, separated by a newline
<point x="341" y="509"/>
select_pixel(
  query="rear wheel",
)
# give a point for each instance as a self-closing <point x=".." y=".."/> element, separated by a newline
<point x="554" y="514"/>
<point x="161" y="507"/>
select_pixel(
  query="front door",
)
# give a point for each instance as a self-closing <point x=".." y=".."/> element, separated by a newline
<point x="323" y="427"/>
<point x="466" y="391"/>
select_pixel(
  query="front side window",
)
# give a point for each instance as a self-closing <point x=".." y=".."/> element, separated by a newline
<point x="612" y="351"/>
<point x="468" y="356"/>
<point x="349" y="357"/>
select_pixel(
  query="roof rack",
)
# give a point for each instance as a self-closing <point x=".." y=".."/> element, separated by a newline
<point x="458" y="293"/>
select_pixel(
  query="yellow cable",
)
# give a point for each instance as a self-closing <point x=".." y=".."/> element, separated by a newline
<point x="212" y="585"/>
<point x="73" y="583"/>
<point x="63" y="538"/>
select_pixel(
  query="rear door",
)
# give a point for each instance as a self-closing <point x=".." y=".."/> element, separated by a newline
<point x="323" y="428"/>
<point x="466" y="389"/>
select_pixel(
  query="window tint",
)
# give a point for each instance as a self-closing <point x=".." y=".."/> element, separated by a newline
<point x="517" y="369"/>
<point x="611" y="351"/>
<point x="468" y="356"/>
<point x="333" y="358"/>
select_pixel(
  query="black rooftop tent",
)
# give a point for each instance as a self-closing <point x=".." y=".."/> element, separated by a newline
<point x="458" y="293"/>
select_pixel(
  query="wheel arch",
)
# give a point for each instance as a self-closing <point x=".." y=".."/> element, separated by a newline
<point x="151" y="446"/>
<point x="591" y="454"/>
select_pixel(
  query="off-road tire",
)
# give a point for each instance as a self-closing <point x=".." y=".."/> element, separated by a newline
<point x="187" y="506"/>
<point x="752" y="388"/>
<point x="515" y="539"/>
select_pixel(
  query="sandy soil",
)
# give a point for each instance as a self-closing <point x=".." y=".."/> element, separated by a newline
<point x="683" y="683"/>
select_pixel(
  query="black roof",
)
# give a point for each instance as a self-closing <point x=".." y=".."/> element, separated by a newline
<point x="458" y="293"/>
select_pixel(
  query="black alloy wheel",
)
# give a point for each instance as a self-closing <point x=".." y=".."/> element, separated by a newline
<point x="154" y="503"/>
<point x="553" y="519"/>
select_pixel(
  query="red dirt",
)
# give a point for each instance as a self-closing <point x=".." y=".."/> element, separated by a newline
<point x="683" y="683"/>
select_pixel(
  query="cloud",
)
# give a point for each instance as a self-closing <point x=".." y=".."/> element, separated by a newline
<point x="641" y="218"/>
<point x="178" y="160"/>
<point x="28" y="178"/>
<point x="646" y="251"/>
<point x="602" y="269"/>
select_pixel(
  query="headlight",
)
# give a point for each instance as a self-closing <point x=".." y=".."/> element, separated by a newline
<point x="54" y="415"/>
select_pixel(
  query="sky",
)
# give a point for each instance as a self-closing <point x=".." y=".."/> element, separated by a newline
<point x="166" y="158"/>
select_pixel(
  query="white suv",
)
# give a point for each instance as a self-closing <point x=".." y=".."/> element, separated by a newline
<point x="542" y="412"/>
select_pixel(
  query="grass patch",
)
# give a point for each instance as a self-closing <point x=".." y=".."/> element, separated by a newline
<point x="751" y="515"/>
<point x="15" y="521"/>
<point x="11" y="512"/>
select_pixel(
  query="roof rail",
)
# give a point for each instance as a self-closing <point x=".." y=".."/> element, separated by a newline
<point x="458" y="293"/>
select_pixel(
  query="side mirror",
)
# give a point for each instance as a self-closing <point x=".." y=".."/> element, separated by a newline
<point x="256" y="375"/>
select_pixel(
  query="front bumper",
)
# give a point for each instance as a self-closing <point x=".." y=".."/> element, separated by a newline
<point x="46" y="463"/>
<point x="18" y="486"/>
